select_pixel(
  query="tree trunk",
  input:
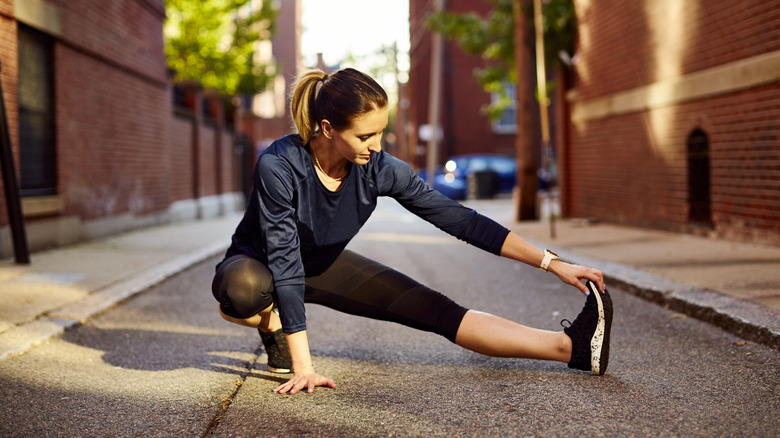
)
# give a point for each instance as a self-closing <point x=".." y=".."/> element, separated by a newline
<point x="526" y="139"/>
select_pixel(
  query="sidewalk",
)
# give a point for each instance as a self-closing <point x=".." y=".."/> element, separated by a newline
<point x="735" y="286"/>
<point x="65" y="287"/>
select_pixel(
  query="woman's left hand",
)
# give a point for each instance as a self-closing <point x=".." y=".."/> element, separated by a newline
<point x="572" y="274"/>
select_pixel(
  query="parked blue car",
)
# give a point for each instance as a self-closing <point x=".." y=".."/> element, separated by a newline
<point x="490" y="174"/>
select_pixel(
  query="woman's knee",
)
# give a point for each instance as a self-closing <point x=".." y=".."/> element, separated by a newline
<point x="243" y="284"/>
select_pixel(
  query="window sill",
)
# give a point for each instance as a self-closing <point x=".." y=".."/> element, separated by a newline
<point x="36" y="206"/>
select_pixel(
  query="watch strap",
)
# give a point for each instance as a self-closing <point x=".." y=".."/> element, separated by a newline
<point x="549" y="256"/>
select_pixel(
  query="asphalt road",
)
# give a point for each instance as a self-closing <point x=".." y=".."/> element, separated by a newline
<point x="164" y="364"/>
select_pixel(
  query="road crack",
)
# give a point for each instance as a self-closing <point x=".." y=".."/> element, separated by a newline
<point x="229" y="399"/>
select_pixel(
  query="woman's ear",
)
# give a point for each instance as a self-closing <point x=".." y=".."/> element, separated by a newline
<point x="326" y="128"/>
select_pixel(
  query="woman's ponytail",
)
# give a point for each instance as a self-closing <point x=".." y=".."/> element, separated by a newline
<point x="302" y="104"/>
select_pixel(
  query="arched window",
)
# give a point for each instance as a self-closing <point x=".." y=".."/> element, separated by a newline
<point x="698" y="147"/>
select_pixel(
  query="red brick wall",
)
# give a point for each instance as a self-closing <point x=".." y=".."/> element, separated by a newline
<point x="617" y="40"/>
<point x="746" y="160"/>
<point x="112" y="138"/>
<point x="7" y="7"/>
<point x="632" y="168"/>
<point x="207" y="180"/>
<point x="467" y="128"/>
<point x="8" y="45"/>
<point x="120" y="149"/>
<point x="112" y="110"/>
<point x="126" y="32"/>
<point x="181" y="159"/>
<point x="229" y="171"/>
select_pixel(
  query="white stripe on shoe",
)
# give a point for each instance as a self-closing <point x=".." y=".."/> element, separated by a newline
<point x="597" y="341"/>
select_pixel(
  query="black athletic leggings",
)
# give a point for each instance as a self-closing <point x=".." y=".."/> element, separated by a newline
<point x="353" y="284"/>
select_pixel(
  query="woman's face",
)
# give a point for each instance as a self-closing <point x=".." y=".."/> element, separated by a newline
<point x="360" y="141"/>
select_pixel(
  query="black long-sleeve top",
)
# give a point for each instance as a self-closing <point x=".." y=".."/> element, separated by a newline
<point x="297" y="227"/>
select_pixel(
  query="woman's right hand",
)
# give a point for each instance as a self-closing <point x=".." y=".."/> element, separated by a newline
<point x="306" y="378"/>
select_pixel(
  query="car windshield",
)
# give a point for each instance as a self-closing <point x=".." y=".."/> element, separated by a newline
<point x="478" y="164"/>
<point x="502" y="165"/>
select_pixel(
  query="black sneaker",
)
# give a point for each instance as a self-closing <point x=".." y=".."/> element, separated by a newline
<point x="275" y="344"/>
<point x="589" y="333"/>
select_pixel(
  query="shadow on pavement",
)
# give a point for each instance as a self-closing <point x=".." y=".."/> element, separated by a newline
<point x="149" y="350"/>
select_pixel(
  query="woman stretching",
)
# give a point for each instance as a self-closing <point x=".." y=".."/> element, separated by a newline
<point x="314" y="190"/>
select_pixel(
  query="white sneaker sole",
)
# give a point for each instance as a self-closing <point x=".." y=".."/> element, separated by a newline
<point x="597" y="341"/>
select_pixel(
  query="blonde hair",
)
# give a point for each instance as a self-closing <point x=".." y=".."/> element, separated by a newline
<point x="338" y="98"/>
<point x="302" y="103"/>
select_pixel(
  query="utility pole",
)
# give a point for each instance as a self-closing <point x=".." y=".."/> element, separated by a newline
<point x="12" y="198"/>
<point x="434" y="97"/>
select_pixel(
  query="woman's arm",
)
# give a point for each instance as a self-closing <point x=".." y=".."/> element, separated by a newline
<point x="274" y="182"/>
<point x="398" y="180"/>
<point x="516" y="248"/>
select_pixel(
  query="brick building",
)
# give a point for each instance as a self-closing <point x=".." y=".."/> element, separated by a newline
<point x="675" y="116"/>
<point x="465" y="128"/>
<point x="99" y="146"/>
<point x="267" y="117"/>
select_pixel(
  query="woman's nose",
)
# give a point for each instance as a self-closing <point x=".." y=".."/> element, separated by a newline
<point x="376" y="145"/>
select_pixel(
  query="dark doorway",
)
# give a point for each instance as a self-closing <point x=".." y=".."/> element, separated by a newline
<point x="698" y="146"/>
<point x="38" y="172"/>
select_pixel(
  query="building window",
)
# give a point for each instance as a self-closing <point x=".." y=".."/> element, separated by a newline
<point x="698" y="149"/>
<point x="37" y="170"/>
<point x="507" y="122"/>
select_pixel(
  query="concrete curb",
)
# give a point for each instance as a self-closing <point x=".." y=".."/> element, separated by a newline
<point x="22" y="338"/>
<point x="740" y="318"/>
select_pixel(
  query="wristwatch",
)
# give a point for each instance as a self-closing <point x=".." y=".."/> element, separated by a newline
<point x="549" y="256"/>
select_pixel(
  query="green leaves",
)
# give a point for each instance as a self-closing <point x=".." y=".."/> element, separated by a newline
<point x="493" y="39"/>
<point x="216" y="42"/>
